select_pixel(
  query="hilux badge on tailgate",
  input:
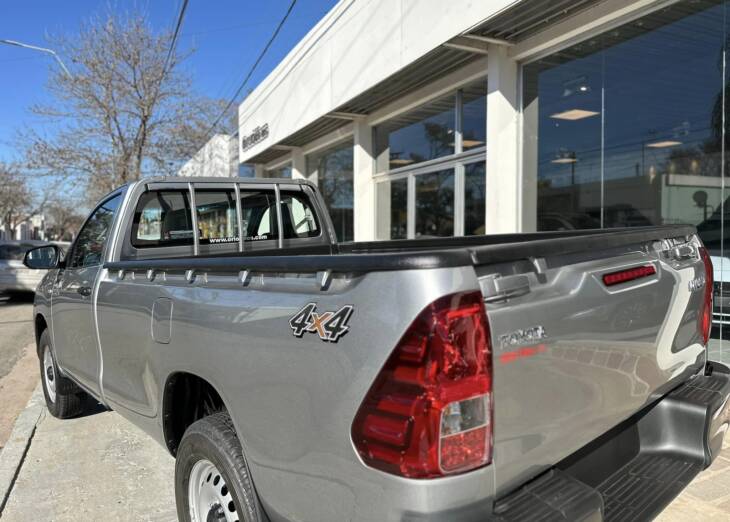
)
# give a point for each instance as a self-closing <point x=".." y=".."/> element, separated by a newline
<point x="330" y="326"/>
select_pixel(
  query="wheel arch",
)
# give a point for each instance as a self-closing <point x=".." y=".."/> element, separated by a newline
<point x="40" y="325"/>
<point x="187" y="397"/>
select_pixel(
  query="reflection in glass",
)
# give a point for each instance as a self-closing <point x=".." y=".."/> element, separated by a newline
<point x="282" y="172"/>
<point x="629" y="131"/>
<point x="423" y="134"/>
<point x="474" y="120"/>
<point x="216" y="211"/>
<point x="333" y="171"/>
<point x="399" y="209"/>
<point x="259" y="216"/>
<point x="162" y="218"/>
<point x="435" y="204"/>
<point x="624" y="139"/>
<point x="475" y="198"/>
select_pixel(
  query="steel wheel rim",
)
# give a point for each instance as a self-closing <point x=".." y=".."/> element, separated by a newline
<point x="209" y="499"/>
<point x="49" y="374"/>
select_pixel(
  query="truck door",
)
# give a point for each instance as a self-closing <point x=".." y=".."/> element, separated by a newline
<point x="72" y="307"/>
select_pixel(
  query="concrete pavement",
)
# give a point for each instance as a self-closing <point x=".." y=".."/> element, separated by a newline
<point x="18" y="362"/>
<point x="97" y="467"/>
<point x="16" y="330"/>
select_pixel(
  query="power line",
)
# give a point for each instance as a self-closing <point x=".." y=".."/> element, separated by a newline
<point x="250" y="72"/>
<point x="173" y="42"/>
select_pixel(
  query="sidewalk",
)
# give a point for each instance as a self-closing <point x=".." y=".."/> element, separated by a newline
<point x="100" y="467"/>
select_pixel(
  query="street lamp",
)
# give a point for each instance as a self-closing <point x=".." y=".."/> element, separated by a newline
<point x="41" y="49"/>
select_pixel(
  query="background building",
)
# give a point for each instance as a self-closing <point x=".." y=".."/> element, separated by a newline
<point x="218" y="157"/>
<point x="429" y="118"/>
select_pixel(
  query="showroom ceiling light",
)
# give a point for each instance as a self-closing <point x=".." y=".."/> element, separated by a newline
<point x="664" y="144"/>
<point x="472" y="143"/>
<point x="401" y="162"/>
<point x="468" y="143"/>
<point x="574" y="114"/>
<point x="564" y="160"/>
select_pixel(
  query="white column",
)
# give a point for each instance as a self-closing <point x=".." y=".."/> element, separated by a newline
<point x="298" y="164"/>
<point x="259" y="170"/>
<point x="504" y="191"/>
<point x="363" y="167"/>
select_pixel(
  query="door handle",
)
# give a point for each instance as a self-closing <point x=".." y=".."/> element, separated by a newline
<point x="84" y="290"/>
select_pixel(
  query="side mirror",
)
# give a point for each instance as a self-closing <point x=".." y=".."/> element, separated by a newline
<point x="42" y="257"/>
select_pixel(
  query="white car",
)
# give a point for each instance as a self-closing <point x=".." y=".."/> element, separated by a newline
<point x="14" y="276"/>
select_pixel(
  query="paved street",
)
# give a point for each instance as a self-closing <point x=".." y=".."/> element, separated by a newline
<point x="16" y="330"/>
<point x="18" y="361"/>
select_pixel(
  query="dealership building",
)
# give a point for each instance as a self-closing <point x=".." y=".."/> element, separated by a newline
<point x="429" y="118"/>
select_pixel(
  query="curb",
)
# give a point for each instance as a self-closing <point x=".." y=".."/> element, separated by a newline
<point x="13" y="454"/>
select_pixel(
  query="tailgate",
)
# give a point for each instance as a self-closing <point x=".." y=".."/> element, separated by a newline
<point x="574" y="357"/>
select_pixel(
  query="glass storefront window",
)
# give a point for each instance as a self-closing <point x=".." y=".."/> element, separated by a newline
<point x="475" y="198"/>
<point x="627" y="129"/>
<point x="435" y="204"/>
<point x="333" y="171"/>
<point x="431" y="132"/>
<point x="627" y="123"/>
<point x="474" y="116"/>
<point x="281" y="173"/>
<point x="423" y="134"/>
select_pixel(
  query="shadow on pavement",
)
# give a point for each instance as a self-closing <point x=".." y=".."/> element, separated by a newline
<point x="16" y="298"/>
<point x="92" y="408"/>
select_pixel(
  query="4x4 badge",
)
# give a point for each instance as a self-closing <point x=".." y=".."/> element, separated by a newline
<point x="330" y="326"/>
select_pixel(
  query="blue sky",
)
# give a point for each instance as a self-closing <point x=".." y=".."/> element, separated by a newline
<point x="227" y="35"/>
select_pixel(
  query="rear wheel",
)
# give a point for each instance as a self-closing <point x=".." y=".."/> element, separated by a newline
<point x="212" y="481"/>
<point x="63" y="398"/>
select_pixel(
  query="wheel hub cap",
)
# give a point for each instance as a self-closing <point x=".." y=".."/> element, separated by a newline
<point x="209" y="499"/>
<point x="49" y="374"/>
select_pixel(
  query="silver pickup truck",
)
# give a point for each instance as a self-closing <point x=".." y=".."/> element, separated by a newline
<point x="537" y="376"/>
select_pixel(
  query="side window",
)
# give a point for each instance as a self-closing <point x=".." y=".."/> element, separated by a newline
<point x="162" y="218"/>
<point x="258" y="209"/>
<point x="89" y="246"/>
<point x="298" y="218"/>
<point x="216" y="211"/>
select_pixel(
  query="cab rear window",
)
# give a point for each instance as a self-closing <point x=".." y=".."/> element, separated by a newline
<point x="162" y="218"/>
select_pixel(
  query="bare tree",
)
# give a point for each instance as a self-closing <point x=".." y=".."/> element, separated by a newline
<point x="126" y="112"/>
<point x="63" y="219"/>
<point x="17" y="203"/>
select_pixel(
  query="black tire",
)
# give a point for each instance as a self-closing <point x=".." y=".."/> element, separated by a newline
<point x="214" y="439"/>
<point x="69" y="400"/>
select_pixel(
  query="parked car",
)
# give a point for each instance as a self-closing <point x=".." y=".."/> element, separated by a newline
<point x="14" y="276"/>
<point x="541" y="376"/>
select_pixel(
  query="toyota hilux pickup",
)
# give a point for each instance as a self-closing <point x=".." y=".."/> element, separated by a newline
<point x="535" y="376"/>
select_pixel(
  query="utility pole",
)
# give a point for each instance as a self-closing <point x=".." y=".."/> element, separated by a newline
<point x="40" y="49"/>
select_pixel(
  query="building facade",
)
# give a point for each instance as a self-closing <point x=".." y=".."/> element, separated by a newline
<point x="423" y="118"/>
<point x="218" y="157"/>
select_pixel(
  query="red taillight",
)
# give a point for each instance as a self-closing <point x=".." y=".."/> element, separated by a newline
<point x="704" y="324"/>
<point x="429" y="411"/>
<point x="624" y="276"/>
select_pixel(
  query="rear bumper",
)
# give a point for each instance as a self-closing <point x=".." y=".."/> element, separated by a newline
<point x="633" y="472"/>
